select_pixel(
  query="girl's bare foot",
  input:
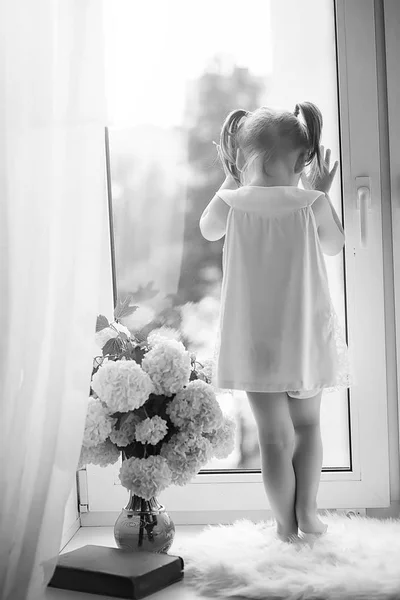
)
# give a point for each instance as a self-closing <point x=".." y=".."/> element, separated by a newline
<point x="289" y="535"/>
<point x="288" y="539"/>
<point x="310" y="523"/>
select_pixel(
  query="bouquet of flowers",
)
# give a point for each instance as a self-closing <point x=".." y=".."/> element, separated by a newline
<point x="153" y="402"/>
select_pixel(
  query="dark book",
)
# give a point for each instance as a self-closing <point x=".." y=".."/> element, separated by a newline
<point x="115" y="572"/>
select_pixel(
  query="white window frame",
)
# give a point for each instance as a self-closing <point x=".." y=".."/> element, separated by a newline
<point x="392" y="42"/>
<point x="224" y="497"/>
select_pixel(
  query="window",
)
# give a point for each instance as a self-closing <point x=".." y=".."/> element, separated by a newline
<point x="171" y="81"/>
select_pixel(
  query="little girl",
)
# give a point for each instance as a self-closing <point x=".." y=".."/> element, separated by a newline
<point x="279" y="337"/>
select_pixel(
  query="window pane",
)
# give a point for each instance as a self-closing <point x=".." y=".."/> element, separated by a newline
<point x="174" y="71"/>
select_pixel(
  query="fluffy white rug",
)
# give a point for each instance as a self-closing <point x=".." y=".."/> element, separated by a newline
<point x="357" y="559"/>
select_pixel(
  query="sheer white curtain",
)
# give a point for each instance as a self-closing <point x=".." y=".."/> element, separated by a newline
<point x="52" y="200"/>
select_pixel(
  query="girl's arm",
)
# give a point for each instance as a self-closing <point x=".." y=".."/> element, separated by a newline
<point x="335" y="216"/>
<point x="329" y="227"/>
<point x="330" y="230"/>
<point x="213" y="220"/>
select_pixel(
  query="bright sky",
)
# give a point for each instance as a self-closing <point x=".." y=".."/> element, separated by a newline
<point x="153" y="47"/>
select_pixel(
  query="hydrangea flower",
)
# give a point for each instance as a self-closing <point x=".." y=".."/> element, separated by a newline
<point x="223" y="438"/>
<point x="103" y="455"/>
<point x="122" y="385"/>
<point x="151" y="430"/>
<point x="168" y="365"/>
<point x="186" y="453"/>
<point x="126" y="433"/>
<point x="196" y="403"/>
<point x="146" y="477"/>
<point x="159" y="334"/>
<point x="98" y="423"/>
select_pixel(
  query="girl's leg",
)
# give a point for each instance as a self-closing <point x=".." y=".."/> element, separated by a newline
<point x="307" y="461"/>
<point x="276" y="441"/>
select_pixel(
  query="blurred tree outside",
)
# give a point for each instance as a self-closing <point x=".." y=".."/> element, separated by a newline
<point x="221" y="89"/>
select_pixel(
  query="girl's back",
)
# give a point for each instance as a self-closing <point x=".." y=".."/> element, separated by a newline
<point x="281" y="330"/>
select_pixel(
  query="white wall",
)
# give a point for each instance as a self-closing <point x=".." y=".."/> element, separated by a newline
<point x="71" y="516"/>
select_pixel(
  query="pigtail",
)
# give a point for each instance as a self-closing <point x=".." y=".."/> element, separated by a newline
<point x="228" y="142"/>
<point x="313" y="124"/>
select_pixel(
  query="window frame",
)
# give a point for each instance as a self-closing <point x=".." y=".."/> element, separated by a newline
<point x="216" y="498"/>
<point x="391" y="10"/>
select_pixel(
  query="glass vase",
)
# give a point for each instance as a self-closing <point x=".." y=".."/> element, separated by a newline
<point x="144" y="525"/>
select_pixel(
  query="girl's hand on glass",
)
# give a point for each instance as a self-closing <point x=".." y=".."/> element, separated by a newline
<point x="323" y="180"/>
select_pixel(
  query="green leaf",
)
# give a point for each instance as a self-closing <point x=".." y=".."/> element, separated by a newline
<point x="143" y="333"/>
<point x="101" y="323"/>
<point x="136" y="449"/>
<point x="129" y="351"/>
<point x="138" y="354"/>
<point x="113" y="346"/>
<point x="158" y="402"/>
<point x="141" y="336"/>
<point x="193" y="375"/>
<point x="129" y="310"/>
<point x="123" y="308"/>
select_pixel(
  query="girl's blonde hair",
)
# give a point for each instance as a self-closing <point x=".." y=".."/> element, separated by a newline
<point x="272" y="133"/>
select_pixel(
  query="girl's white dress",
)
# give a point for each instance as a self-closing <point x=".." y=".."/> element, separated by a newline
<point x="278" y="328"/>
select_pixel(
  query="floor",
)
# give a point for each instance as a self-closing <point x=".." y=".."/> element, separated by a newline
<point x="104" y="536"/>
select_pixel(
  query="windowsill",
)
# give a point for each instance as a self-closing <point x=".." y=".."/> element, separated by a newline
<point x="104" y="536"/>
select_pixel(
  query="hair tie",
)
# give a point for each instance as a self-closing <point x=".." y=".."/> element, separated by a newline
<point x="296" y="110"/>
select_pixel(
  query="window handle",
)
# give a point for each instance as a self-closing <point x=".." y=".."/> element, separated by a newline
<point x="364" y="206"/>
